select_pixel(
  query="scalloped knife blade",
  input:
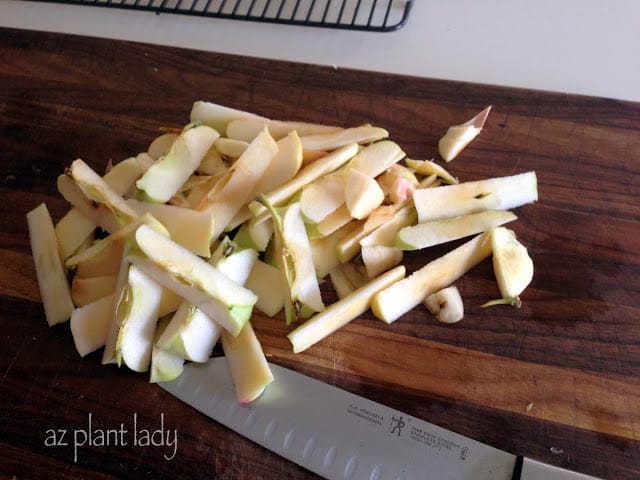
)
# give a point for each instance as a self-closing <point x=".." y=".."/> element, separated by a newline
<point x="339" y="435"/>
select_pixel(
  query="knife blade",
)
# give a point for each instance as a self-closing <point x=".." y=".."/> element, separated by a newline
<point x="340" y="435"/>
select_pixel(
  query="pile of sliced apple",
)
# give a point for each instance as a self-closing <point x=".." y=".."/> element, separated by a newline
<point x="170" y="251"/>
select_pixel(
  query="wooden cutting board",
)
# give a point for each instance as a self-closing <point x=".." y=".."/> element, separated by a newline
<point x="557" y="380"/>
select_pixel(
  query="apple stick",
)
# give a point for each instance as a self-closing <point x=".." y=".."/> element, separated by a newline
<point x="331" y="141"/>
<point x="248" y="128"/>
<point x="52" y="280"/>
<point x="341" y="312"/>
<point x="396" y="300"/>
<point x="248" y="366"/>
<point x="499" y="193"/>
<point x="435" y="232"/>
<point x="218" y="116"/>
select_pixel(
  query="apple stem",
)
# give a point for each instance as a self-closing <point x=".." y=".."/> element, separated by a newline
<point x="513" y="301"/>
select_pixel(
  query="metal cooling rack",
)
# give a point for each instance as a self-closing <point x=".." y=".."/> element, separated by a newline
<point x="364" y="15"/>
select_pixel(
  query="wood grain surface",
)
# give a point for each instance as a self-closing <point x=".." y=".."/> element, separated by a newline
<point x="557" y="380"/>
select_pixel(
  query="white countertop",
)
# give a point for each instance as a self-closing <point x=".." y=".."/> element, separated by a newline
<point x="589" y="47"/>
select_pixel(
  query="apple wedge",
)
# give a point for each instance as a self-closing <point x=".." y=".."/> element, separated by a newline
<point x="90" y="324"/>
<point x="435" y="232"/>
<point x="197" y="281"/>
<point x="190" y="334"/>
<point x="165" y="177"/>
<point x="341" y="312"/>
<point x="324" y="196"/>
<point x="499" y="193"/>
<point x="137" y="317"/>
<point x="230" y="148"/>
<point x="393" y="302"/>
<point x="52" y="279"/>
<point x="446" y="305"/>
<point x="238" y="186"/>
<point x="512" y="264"/>
<point x="459" y="136"/>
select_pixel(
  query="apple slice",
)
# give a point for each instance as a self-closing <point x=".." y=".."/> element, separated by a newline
<point x="52" y="280"/>
<point x="90" y="325"/>
<point x="380" y="258"/>
<point x="347" y="277"/>
<point x="165" y="177"/>
<point x="98" y="213"/>
<point x="105" y="262"/>
<point x="322" y="197"/>
<point x="248" y="128"/>
<point x="230" y="148"/>
<point x="396" y="300"/>
<point x="98" y="190"/>
<point x="137" y="317"/>
<point x="85" y="290"/>
<point x="191" y="334"/>
<point x="446" y="305"/>
<point x="233" y="260"/>
<point x="237" y="187"/>
<point x="248" y="366"/>
<point x="429" y="167"/>
<point x="161" y="145"/>
<point x="332" y="140"/>
<point x="398" y="183"/>
<point x="212" y="164"/>
<point x="512" y="264"/>
<point x="362" y="194"/>
<point x="218" y="116"/>
<point x="72" y="230"/>
<point x="220" y="297"/>
<point x="435" y="232"/>
<point x="305" y="176"/>
<point x="189" y="228"/>
<point x="295" y="262"/>
<point x="324" y="249"/>
<point x="341" y="312"/>
<point x="499" y="193"/>
<point x="284" y="166"/>
<point x="459" y="136"/>
<point x="264" y="280"/>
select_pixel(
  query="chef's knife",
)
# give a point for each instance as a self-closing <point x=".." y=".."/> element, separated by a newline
<point x="339" y="435"/>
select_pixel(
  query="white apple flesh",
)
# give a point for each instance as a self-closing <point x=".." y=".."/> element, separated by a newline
<point x="499" y="193"/>
<point x="52" y="279"/>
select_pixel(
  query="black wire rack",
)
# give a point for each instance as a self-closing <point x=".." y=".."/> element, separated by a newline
<point x="363" y="15"/>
